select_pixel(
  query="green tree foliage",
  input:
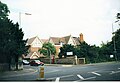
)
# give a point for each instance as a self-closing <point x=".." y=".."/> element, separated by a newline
<point x="3" y="10"/>
<point x="47" y="49"/>
<point x="116" y="39"/>
<point x="89" y="52"/>
<point x="66" y="48"/>
<point x="109" y="48"/>
<point x="11" y="38"/>
<point x="105" y="51"/>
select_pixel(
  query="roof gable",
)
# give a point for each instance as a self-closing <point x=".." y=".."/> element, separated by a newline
<point x="44" y="40"/>
<point x="30" y="40"/>
<point x="76" y="40"/>
<point x="34" y="42"/>
<point x="31" y="54"/>
<point x="58" y="40"/>
<point x="65" y="40"/>
<point x="55" y="40"/>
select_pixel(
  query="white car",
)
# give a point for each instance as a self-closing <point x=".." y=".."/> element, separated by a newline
<point x="25" y="62"/>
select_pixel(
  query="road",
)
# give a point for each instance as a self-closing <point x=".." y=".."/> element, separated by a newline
<point x="72" y="73"/>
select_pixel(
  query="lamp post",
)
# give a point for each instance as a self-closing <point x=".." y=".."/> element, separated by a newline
<point x="115" y="51"/>
<point x="20" y="17"/>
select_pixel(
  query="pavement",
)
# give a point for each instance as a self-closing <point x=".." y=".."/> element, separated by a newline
<point x="16" y="73"/>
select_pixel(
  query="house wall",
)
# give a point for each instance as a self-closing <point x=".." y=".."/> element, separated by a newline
<point x="57" y="50"/>
<point x="36" y="43"/>
<point x="34" y="49"/>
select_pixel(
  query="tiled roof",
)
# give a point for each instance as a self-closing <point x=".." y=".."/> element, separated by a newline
<point x="31" y="53"/>
<point x="58" y="40"/>
<point x="76" y="40"/>
<point x="30" y="40"/>
<point x="67" y="39"/>
<point x="44" y="40"/>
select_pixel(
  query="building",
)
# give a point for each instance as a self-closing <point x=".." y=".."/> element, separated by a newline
<point x="60" y="41"/>
<point x="35" y="44"/>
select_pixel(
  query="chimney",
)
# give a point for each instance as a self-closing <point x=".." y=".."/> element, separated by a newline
<point x="81" y="38"/>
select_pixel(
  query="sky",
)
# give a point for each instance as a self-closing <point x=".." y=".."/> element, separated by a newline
<point x="59" y="18"/>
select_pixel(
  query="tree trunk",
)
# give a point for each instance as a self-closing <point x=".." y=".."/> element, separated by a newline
<point x="16" y="61"/>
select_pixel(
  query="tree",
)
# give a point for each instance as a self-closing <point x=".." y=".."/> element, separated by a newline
<point x="66" y="48"/>
<point x="3" y="10"/>
<point x="91" y="53"/>
<point x="12" y="44"/>
<point x="116" y="39"/>
<point x="47" y="49"/>
<point x="105" y="51"/>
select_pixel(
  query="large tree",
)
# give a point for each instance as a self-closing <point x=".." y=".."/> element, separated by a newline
<point x="3" y="10"/>
<point x="90" y="53"/>
<point x="66" y="48"/>
<point x="12" y="44"/>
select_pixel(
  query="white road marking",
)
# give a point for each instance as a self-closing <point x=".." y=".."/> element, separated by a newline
<point x="67" y="65"/>
<point x="57" y="79"/>
<point x="118" y="68"/>
<point x="66" y="76"/>
<point x="90" y="78"/>
<point x="80" y="77"/>
<point x="84" y="78"/>
<point x="114" y="72"/>
<point x="96" y="73"/>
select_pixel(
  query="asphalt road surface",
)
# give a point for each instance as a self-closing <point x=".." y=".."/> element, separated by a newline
<point x="73" y="73"/>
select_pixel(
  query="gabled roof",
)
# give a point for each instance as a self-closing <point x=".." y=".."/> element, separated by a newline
<point x="65" y="40"/>
<point x="55" y="40"/>
<point x="29" y="42"/>
<point x="32" y="54"/>
<point x="76" y="40"/>
<point x="44" y="40"/>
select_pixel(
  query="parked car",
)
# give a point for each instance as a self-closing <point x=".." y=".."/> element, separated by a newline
<point x="25" y="62"/>
<point x="36" y="63"/>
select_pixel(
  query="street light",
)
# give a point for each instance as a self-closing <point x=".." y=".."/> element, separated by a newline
<point x="20" y="17"/>
<point x="115" y="51"/>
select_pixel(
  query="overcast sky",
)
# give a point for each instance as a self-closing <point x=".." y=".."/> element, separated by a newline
<point x="60" y="18"/>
